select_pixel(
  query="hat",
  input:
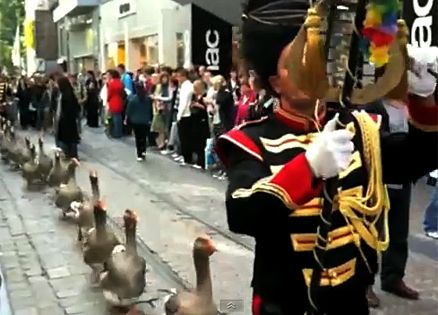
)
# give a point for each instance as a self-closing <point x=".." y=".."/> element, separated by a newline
<point x="268" y="27"/>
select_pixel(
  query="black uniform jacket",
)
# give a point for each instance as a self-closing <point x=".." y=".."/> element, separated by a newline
<point x="273" y="197"/>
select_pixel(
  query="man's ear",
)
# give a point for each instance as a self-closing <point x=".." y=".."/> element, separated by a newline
<point x="274" y="80"/>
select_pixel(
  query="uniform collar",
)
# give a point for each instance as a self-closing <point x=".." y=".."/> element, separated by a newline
<point x="300" y="122"/>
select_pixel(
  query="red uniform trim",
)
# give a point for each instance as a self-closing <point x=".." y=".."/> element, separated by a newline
<point x="377" y="118"/>
<point x="298" y="121"/>
<point x="424" y="117"/>
<point x="241" y="140"/>
<point x="296" y="178"/>
<point x="256" y="304"/>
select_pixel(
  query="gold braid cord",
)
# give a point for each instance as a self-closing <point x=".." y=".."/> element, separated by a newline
<point x="368" y="214"/>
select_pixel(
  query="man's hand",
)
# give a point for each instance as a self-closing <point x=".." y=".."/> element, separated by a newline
<point x="423" y="61"/>
<point x="332" y="151"/>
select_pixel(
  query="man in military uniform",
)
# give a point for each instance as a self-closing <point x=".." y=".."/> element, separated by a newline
<point x="277" y="166"/>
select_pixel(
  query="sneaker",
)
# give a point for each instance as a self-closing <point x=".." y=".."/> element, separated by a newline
<point x="196" y="166"/>
<point x="164" y="152"/>
<point x="179" y="159"/>
<point x="175" y="155"/>
<point x="139" y="159"/>
<point x="182" y="163"/>
<point x="432" y="235"/>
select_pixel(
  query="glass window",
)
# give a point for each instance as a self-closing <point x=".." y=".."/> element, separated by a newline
<point x="152" y="49"/>
<point x="180" y="49"/>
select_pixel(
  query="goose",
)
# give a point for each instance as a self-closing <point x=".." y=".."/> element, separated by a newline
<point x="200" y="301"/>
<point x="84" y="212"/>
<point x="6" y="143"/>
<point x="99" y="242"/>
<point x="123" y="279"/>
<point x="57" y="173"/>
<point x="3" y="140"/>
<point x="24" y="154"/>
<point x="30" y="168"/>
<point x="44" y="162"/>
<point x="13" y="147"/>
<point x="69" y="192"/>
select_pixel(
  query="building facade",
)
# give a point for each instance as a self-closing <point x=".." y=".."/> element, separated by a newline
<point x="78" y="24"/>
<point x="100" y="34"/>
<point x="136" y="32"/>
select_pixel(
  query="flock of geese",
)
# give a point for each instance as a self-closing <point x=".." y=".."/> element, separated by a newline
<point x="116" y="266"/>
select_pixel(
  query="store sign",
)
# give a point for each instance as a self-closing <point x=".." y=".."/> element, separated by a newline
<point x="126" y="7"/>
<point x="212" y="54"/>
<point x="211" y="41"/>
<point x="422" y="19"/>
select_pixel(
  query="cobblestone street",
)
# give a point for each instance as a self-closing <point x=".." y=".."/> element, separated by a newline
<point x="43" y="264"/>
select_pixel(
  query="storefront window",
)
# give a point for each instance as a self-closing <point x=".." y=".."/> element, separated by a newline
<point x="152" y="49"/>
<point x="180" y="49"/>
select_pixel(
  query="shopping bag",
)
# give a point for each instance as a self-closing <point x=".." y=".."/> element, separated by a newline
<point x="210" y="156"/>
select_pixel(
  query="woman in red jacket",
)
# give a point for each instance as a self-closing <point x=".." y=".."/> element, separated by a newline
<point x="116" y="100"/>
<point x="247" y="97"/>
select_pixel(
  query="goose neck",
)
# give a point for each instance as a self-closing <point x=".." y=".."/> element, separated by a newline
<point x="203" y="275"/>
<point x="131" y="243"/>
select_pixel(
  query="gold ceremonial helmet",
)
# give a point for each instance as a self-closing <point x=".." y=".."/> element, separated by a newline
<point x="307" y="64"/>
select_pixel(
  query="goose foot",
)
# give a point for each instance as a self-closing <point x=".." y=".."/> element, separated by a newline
<point x="95" y="279"/>
<point x="80" y="236"/>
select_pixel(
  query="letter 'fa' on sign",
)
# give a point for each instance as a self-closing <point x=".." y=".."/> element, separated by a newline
<point x="212" y="59"/>
<point x="422" y="29"/>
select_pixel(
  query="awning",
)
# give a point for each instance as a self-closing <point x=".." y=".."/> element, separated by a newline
<point x="72" y="8"/>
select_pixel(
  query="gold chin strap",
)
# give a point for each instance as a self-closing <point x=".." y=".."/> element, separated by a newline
<point x="368" y="215"/>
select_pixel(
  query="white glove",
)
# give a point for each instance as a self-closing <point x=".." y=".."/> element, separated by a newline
<point x="332" y="151"/>
<point x="421" y="82"/>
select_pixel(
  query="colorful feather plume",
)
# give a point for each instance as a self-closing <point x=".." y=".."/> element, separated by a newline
<point x="380" y="30"/>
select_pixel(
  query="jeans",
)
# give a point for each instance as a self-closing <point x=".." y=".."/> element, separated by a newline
<point x="69" y="149"/>
<point x="39" y="118"/>
<point x="431" y="214"/>
<point x="141" y="133"/>
<point x="184" y="132"/>
<point x="117" y="125"/>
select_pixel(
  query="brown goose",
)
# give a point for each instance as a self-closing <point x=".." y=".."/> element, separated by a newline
<point x="99" y="242"/>
<point x="13" y="147"/>
<point x="70" y="192"/>
<point x="4" y="141"/>
<point x="44" y="162"/>
<point x="123" y="279"/>
<point x="30" y="168"/>
<point x="57" y="173"/>
<point x="200" y="301"/>
<point x="24" y="154"/>
<point x="85" y="210"/>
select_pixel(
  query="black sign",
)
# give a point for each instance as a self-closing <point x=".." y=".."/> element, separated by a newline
<point x="124" y="8"/>
<point x="211" y="41"/>
<point x="422" y="19"/>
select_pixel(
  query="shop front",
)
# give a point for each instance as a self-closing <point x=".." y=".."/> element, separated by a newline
<point x="78" y="33"/>
<point x="144" y="32"/>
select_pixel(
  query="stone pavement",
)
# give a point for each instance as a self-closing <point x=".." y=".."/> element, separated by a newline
<point x="40" y="258"/>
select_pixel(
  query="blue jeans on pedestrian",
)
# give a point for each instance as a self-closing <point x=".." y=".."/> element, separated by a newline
<point x="431" y="214"/>
<point x="117" y="125"/>
<point x="70" y="149"/>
